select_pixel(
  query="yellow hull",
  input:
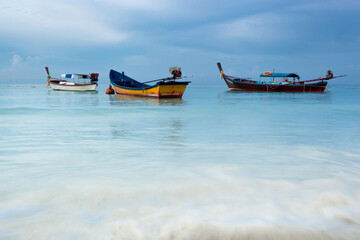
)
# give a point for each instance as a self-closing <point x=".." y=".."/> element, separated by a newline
<point x="160" y="91"/>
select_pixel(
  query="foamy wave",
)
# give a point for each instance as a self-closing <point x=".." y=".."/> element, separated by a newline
<point x="214" y="205"/>
<point x="181" y="230"/>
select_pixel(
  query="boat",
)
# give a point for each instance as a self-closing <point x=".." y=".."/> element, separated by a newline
<point x="277" y="82"/>
<point x="161" y="88"/>
<point x="73" y="82"/>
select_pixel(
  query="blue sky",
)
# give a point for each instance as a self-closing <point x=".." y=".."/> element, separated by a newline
<point x="144" y="38"/>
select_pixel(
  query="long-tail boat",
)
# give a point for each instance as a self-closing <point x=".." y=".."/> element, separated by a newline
<point x="162" y="88"/>
<point x="269" y="82"/>
<point x="73" y="82"/>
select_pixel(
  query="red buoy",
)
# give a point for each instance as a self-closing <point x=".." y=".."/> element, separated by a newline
<point x="110" y="90"/>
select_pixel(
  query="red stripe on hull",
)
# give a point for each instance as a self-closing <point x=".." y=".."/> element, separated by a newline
<point x="170" y="96"/>
<point x="239" y="86"/>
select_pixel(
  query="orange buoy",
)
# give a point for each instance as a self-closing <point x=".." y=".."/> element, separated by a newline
<point x="110" y="90"/>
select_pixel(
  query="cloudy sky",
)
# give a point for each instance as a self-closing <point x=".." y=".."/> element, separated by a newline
<point x="145" y="37"/>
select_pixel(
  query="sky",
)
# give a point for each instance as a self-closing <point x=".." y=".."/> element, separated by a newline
<point x="146" y="37"/>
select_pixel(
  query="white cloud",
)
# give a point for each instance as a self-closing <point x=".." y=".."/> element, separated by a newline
<point x="328" y="5"/>
<point x="141" y="5"/>
<point x="266" y="27"/>
<point x="56" y="22"/>
<point x="16" y="60"/>
<point x="20" y="67"/>
<point x="77" y="22"/>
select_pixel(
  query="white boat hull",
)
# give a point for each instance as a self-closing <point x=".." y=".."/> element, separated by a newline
<point x="75" y="87"/>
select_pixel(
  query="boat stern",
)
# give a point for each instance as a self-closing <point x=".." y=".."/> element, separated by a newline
<point x="172" y="89"/>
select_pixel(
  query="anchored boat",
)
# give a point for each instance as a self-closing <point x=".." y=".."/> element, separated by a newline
<point x="162" y="88"/>
<point x="277" y="82"/>
<point x="73" y="82"/>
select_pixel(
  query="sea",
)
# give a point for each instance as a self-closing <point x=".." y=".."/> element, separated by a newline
<point x="213" y="165"/>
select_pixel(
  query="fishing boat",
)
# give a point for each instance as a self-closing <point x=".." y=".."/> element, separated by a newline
<point x="162" y="88"/>
<point x="73" y="82"/>
<point x="277" y="82"/>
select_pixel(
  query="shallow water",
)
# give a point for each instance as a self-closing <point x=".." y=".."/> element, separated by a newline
<point x="213" y="165"/>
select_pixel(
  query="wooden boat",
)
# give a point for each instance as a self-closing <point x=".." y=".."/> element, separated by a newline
<point x="73" y="82"/>
<point x="163" y="88"/>
<point x="290" y="82"/>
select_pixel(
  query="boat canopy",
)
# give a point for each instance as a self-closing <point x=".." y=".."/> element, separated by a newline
<point x="80" y="76"/>
<point x="284" y="75"/>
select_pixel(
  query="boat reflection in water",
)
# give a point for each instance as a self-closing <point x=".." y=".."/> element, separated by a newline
<point x="120" y="99"/>
<point x="271" y="98"/>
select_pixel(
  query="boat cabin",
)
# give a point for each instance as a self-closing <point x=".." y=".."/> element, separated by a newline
<point x="70" y="79"/>
<point x="283" y="77"/>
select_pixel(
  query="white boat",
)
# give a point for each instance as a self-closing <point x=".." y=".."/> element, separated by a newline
<point x="73" y="82"/>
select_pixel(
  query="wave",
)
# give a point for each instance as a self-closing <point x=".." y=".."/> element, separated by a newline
<point x="217" y="207"/>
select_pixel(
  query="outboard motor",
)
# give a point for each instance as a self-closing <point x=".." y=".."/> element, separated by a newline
<point x="94" y="77"/>
<point x="175" y="71"/>
<point x="330" y="74"/>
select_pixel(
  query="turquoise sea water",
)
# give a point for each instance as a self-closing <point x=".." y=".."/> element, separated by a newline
<point x="213" y="165"/>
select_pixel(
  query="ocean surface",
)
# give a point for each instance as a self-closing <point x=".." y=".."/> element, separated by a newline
<point x="213" y="165"/>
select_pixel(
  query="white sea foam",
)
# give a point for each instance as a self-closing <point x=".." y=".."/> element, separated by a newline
<point x="212" y="205"/>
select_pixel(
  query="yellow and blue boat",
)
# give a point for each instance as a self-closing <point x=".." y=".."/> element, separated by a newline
<point x="163" y="88"/>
